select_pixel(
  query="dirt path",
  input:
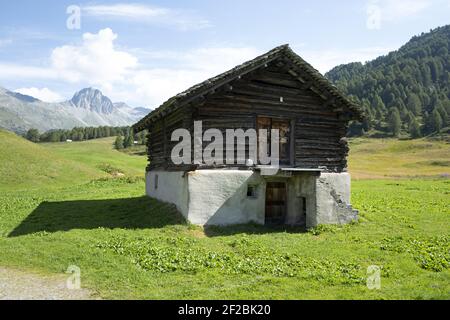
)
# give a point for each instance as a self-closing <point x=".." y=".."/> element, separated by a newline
<point x="19" y="285"/>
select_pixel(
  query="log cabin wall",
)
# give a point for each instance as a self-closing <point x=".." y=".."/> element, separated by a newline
<point x="318" y="137"/>
<point x="159" y="144"/>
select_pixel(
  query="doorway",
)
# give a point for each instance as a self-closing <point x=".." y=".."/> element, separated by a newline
<point x="276" y="203"/>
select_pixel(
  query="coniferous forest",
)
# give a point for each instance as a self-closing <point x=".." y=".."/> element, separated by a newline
<point x="125" y="135"/>
<point x="405" y="93"/>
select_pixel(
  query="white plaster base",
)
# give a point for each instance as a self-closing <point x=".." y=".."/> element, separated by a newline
<point x="219" y="197"/>
<point x="333" y="199"/>
<point x="172" y="188"/>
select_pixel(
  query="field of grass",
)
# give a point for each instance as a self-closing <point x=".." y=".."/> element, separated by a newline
<point x="131" y="247"/>
<point x="25" y="165"/>
<point x="98" y="154"/>
<point x="391" y="158"/>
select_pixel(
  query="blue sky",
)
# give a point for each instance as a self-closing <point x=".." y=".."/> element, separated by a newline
<point x="144" y="52"/>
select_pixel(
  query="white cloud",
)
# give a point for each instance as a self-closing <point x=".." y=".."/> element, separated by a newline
<point x="152" y="86"/>
<point x="95" y="60"/>
<point x="15" y="71"/>
<point x="374" y="15"/>
<point x="379" y="11"/>
<point x="43" y="94"/>
<point x="135" y="12"/>
<point x="325" y="60"/>
<point x="398" y="9"/>
<point x="125" y="10"/>
<point x="5" y="42"/>
<point x="148" y="78"/>
<point x="217" y="59"/>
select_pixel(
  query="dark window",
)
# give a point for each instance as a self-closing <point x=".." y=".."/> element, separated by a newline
<point x="156" y="181"/>
<point x="284" y="127"/>
<point x="251" y="191"/>
<point x="304" y="206"/>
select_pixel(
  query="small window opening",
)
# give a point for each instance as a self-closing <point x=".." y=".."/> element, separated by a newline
<point x="304" y="206"/>
<point x="251" y="191"/>
<point x="156" y="181"/>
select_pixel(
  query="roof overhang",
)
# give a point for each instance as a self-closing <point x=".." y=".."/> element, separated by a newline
<point x="308" y="77"/>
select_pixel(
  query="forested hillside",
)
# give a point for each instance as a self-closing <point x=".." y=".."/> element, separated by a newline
<point x="404" y="93"/>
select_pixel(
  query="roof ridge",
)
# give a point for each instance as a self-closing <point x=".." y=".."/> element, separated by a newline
<point x="248" y="66"/>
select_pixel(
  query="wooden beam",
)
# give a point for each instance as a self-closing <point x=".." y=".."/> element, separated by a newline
<point x="164" y="139"/>
<point x="331" y="101"/>
<point x="307" y="85"/>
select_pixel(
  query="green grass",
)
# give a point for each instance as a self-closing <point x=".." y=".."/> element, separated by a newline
<point x="97" y="153"/>
<point x="131" y="247"/>
<point x="26" y="165"/>
<point x="391" y="158"/>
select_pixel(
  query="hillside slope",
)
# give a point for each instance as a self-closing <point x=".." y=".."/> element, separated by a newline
<point x="25" y="165"/>
<point x="392" y="158"/>
<point x="98" y="154"/>
<point x="407" y="90"/>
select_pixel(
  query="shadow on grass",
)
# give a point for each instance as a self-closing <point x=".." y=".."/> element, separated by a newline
<point x="250" y="229"/>
<point x="130" y="213"/>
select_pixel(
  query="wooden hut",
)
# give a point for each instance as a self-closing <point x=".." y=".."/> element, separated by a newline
<point x="277" y="90"/>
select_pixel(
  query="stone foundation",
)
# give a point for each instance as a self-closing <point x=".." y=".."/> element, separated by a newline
<point x="219" y="197"/>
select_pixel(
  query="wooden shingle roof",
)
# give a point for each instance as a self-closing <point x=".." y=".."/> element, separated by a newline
<point x="299" y="69"/>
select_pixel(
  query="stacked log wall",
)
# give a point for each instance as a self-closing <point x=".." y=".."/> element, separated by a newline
<point x="319" y="130"/>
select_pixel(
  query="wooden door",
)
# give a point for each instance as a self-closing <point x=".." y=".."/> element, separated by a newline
<point x="276" y="203"/>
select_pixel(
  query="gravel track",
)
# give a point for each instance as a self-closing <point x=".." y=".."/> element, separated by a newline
<point x="20" y="285"/>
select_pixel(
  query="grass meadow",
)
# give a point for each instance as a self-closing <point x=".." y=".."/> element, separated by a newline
<point x="83" y="204"/>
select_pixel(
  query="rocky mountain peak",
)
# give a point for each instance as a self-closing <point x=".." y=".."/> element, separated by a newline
<point x="92" y="99"/>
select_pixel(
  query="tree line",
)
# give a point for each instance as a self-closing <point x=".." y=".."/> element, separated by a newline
<point x="406" y="93"/>
<point x="130" y="139"/>
<point x="89" y="133"/>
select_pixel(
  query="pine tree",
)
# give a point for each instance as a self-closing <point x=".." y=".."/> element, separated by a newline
<point x="414" y="129"/>
<point x="55" y="136"/>
<point x="436" y="121"/>
<point x="378" y="104"/>
<point x="413" y="104"/>
<point x="395" y="123"/>
<point x="129" y="141"/>
<point x="33" y="135"/>
<point x="379" y="116"/>
<point x="118" y="144"/>
<point x="409" y="118"/>
<point x="444" y="115"/>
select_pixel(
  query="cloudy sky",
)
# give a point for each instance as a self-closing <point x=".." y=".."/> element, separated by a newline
<point x="144" y="52"/>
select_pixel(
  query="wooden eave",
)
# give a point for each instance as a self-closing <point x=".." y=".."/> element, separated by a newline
<point x="308" y="77"/>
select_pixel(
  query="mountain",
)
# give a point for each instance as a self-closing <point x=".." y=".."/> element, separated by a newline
<point x="93" y="100"/>
<point x="406" y="92"/>
<point x="88" y="107"/>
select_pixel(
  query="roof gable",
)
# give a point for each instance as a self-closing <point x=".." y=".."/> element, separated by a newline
<point x="308" y="77"/>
